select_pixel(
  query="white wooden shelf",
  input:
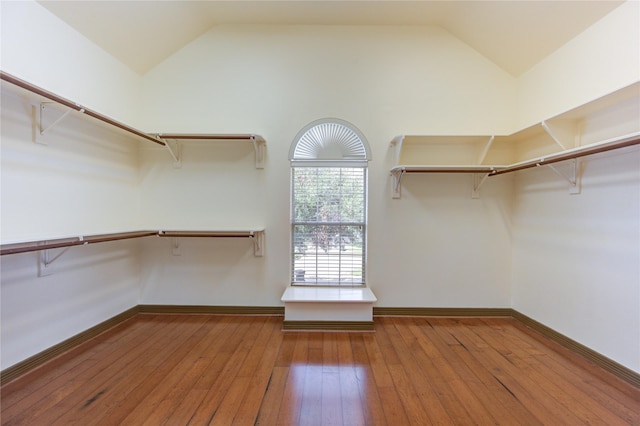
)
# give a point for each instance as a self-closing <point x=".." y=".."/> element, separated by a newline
<point x="399" y="171"/>
<point x="609" y="123"/>
<point x="256" y="235"/>
<point x="17" y="247"/>
<point x="44" y="103"/>
<point x="620" y="142"/>
<point x="44" y="245"/>
<point x="172" y="140"/>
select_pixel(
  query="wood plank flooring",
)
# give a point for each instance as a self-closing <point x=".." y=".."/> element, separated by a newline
<point x="243" y="370"/>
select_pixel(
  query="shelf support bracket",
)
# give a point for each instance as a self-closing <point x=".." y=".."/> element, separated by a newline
<point x="39" y="127"/>
<point x="572" y="177"/>
<point x="175" y="246"/>
<point x="45" y="261"/>
<point x="258" y="243"/>
<point x="478" y="180"/>
<point x="396" y="146"/>
<point x="396" y="183"/>
<point x="484" y="152"/>
<point x="553" y="136"/>
<point x="259" y="145"/>
<point x="175" y="149"/>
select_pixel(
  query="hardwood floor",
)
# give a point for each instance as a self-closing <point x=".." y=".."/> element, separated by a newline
<point x="243" y="370"/>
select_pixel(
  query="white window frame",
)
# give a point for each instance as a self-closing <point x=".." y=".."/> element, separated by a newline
<point x="329" y="143"/>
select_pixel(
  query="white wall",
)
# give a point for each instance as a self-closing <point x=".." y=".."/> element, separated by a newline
<point x="275" y="80"/>
<point x="85" y="181"/>
<point x="412" y="80"/>
<point x="217" y="188"/>
<point x="599" y="61"/>
<point x="41" y="49"/>
<point x="576" y="257"/>
<point x="90" y="284"/>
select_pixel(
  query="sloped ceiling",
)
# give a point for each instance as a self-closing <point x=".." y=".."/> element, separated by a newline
<point x="515" y="35"/>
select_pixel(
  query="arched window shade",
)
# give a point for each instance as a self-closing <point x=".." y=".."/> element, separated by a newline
<point x="329" y="142"/>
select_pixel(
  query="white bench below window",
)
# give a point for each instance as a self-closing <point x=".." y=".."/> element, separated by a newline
<point x="323" y="308"/>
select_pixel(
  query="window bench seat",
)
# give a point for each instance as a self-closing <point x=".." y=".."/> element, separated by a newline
<point x="328" y="308"/>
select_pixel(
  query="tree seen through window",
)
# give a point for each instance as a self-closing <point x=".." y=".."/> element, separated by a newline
<point x="329" y="221"/>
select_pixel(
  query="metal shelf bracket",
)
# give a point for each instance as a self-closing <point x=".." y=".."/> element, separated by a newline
<point x="175" y="246"/>
<point x="396" y="183"/>
<point x="39" y="126"/>
<point x="175" y="149"/>
<point x="259" y="145"/>
<point x="567" y="132"/>
<point x="258" y="243"/>
<point x="573" y="175"/>
<point x="45" y="261"/>
<point x="485" y="150"/>
<point x="478" y="180"/>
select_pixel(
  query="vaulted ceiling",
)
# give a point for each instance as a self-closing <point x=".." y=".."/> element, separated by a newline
<point x="515" y="35"/>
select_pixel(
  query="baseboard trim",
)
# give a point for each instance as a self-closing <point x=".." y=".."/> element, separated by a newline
<point x="23" y="367"/>
<point x="597" y="358"/>
<point x="443" y="312"/>
<point x="327" y="326"/>
<point x="211" y="310"/>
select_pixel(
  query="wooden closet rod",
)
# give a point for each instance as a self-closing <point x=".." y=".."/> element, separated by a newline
<point x="15" y="248"/>
<point x="572" y="153"/>
<point x="72" y="241"/>
<point x="217" y="137"/>
<point x="445" y="169"/>
<point x="69" y="104"/>
<point x="215" y="234"/>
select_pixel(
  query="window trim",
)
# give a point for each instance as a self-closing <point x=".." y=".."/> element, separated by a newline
<point x="364" y="238"/>
<point x="340" y="137"/>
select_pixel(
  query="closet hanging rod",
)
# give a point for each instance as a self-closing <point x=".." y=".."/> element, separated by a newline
<point x="225" y="234"/>
<point x="445" y="169"/>
<point x="119" y="236"/>
<point x="71" y="241"/>
<point x="69" y="104"/>
<point x="570" y="154"/>
<point x="37" y="247"/>
<point x="218" y="137"/>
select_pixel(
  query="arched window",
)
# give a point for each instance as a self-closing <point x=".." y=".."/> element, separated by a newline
<point x="329" y="161"/>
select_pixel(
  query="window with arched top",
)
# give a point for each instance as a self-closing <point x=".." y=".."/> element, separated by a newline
<point x="329" y="161"/>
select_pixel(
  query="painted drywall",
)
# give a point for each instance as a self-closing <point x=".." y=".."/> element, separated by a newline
<point x="43" y="50"/>
<point x="217" y="187"/>
<point x="438" y="247"/>
<point x="88" y="286"/>
<point x="599" y="61"/>
<point x="576" y="257"/>
<point x="84" y="181"/>
<point x="412" y="80"/>
<point x="81" y="180"/>
<point x="275" y="80"/>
